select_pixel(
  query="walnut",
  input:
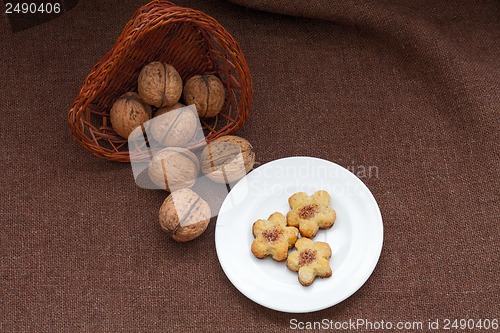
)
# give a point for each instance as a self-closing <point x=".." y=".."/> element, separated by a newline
<point x="175" y="128"/>
<point x="227" y="159"/>
<point x="207" y="93"/>
<point x="159" y="84"/>
<point x="184" y="215"/>
<point x="173" y="168"/>
<point x="166" y="109"/>
<point x="128" y="112"/>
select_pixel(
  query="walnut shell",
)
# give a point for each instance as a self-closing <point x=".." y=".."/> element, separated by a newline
<point x="175" y="128"/>
<point x="166" y="109"/>
<point x="159" y="84"/>
<point x="184" y="215"/>
<point x="128" y="112"/>
<point x="227" y="159"/>
<point x="207" y="93"/>
<point x="173" y="168"/>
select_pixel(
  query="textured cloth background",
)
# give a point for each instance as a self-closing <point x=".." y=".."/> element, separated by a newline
<point x="410" y="89"/>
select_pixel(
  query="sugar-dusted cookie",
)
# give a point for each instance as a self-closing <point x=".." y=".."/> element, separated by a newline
<point x="273" y="238"/>
<point x="310" y="260"/>
<point x="310" y="213"/>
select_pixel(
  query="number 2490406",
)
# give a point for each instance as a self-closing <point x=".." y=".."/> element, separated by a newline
<point x="32" y="8"/>
<point x="470" y="324"/>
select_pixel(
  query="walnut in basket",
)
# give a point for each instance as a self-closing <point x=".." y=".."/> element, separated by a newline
<point x="159" y="84"/>
<point x="166" y="109"/>
<point x="207" y="93"/>
<point x="128" y="112"/>
<point x="174" y="168"/>
<point x="175" y="128"/>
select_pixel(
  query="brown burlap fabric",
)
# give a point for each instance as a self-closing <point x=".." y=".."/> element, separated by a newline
<point x="410" y="89"/>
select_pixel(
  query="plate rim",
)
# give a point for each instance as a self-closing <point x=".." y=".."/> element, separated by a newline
<point x="353" y="290"/>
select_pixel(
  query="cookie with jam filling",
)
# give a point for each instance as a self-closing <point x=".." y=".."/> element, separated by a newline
<point x="273" y="238"/>
<point x="310" y="213"/>
<point x="310" y="260"/>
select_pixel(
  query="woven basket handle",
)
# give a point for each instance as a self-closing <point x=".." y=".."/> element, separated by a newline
<point x="136" y="20"/>
<point x="155" y="4"/>
<point x="162" y="2"/>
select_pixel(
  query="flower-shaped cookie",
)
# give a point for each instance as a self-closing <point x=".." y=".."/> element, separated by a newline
<point x="273" y="238"/>
<point x="310" y="213"/>
<point x="310" y="260"/>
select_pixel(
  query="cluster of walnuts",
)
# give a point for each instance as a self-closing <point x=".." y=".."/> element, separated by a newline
<point x="183" y="215"/>
<point x="160" y="86"/>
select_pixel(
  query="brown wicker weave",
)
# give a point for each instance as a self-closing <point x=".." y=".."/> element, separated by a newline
<point x="191" y="41"/>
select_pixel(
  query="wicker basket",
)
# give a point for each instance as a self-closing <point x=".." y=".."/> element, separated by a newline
<point x="191" y="41"/>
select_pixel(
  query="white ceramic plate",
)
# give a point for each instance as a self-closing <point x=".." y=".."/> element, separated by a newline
<point x="356" y="237"/>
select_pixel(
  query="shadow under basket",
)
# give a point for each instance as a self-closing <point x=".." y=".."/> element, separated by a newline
<point x="192" y="42"/>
